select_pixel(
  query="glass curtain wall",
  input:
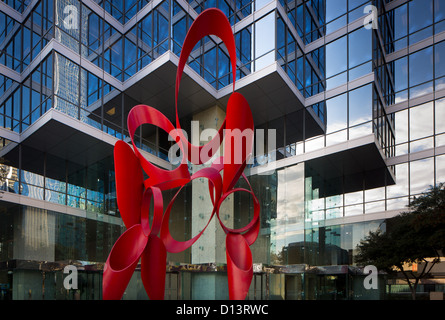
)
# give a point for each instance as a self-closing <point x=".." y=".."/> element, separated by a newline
<point x="22" y="42"/>
<point x="47" y="177"/>
<point x="418" y="79"/>
<point x="80" y="93"/>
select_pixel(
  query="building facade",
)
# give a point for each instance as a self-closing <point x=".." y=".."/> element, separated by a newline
<point x="353" y="97"/>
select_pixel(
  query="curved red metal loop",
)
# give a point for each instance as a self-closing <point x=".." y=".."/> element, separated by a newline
<point x="129" y="183"/>
<point x="239" y="266"/>
<point x="251" y="230"/>
<point x="155" y="194"/>
<point x="210" y="22"/>
<point x="135" y="196"/>
<point x="256" y="211"/>
<point x="164" y="179"/>
<point x="153" y="268"/>
<point x="238" y="139"/>
<point x="122" y="261"/>
<point x="173" y="245"/>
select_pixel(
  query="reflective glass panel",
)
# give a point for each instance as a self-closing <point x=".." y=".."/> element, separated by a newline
<point x="360" y="105"/>
<point x="265" y="41"/>
<point x="401" y="74"/>
<point x="439" y="10"/>
<point x="440" y="115"/>
<point x="335" y="8"/>
<point x="401" y="188"/>
<point x="421" y="121"/>
<point x="421" y="66"/>
<point x="401" y="126"/>
<point x="360" y="47"/>
<point x="420" y="14"/>
<point x="336" y="58"/>
<point x="439" y="60"/>
<point x="337" y="113"/>
<point x="440" y="169"/>
<point x="421" y="175"/>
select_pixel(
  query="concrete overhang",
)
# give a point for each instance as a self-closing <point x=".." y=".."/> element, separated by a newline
<point x="64" y="137"/>
<point x="344" y="167"/>
<point x="269" y="92"/>
<point x="155" y="86"/>
<point x="349" y="170"/>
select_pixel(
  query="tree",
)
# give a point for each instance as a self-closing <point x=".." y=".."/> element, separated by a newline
<point x="413" y="237"/>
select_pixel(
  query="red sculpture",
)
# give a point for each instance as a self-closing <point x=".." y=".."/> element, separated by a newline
<point x="150" y="243"/>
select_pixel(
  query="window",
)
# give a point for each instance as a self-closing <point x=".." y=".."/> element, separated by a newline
<point x="440" y="116"/>
<point x="210" y="65"/>
<point x="243" y="40"/>
<point x="336" y="59"/>
<point x="265" y="41"/>
<point x="335" y="8"/>
<point x="439" y="10"/>
<point x="440" y="169"/>
<point x="67" y="76"/>
<point x="421" y="121"/>
<point x="260" y="3"/>
<point x="420" y="14"/>
<point x="400" y="22"/>
<point x="401" y="188"/>
<point x="130" y="54"/>
<point x="360" y="105"/>
<point x="360" y="47"/>
<point x="401" y="74"/>
<point x="337" y="114"/>
<point x="439" y="60"/>
<point x="179" y="31"/>
<point x="421" y="175"/>
<point x="421" y="66"/>
<point x="401" y="126"/>
<point x="224" y="70"/>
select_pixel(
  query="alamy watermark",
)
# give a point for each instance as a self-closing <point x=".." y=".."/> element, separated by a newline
<point x="71" y="280"/>
<point x="71" y="20"/>
<point x="371" y="281"/>
<point x="263" y="152"/>
<point x="371" y="20"/>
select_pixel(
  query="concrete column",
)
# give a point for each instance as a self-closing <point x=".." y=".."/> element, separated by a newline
<point x="210" y="248"/>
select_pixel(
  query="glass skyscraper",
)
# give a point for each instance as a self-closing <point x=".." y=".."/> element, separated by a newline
<point x="357" y="112"/>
